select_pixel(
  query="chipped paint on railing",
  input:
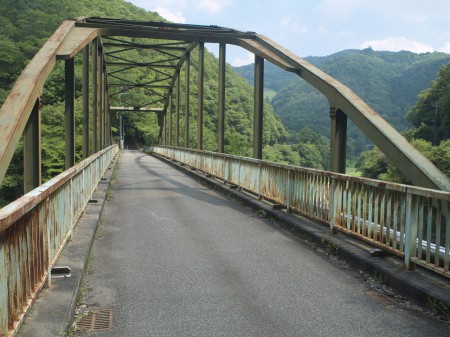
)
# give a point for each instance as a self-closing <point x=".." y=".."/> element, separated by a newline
<point x="34" y="229"/>
<point x="411" y="222"/>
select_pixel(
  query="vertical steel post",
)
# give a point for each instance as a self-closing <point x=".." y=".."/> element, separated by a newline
<point x="32" y="150"/>
<point x="108" y="121"/>
<point x="106" y="104"/>
<point x="221" y="119"/>
<point x="160" y="116"/>
<point x="201" y="76"/>
<point x="258" y="107"/>
<point x="70" y="112"/>
<point x="338" y="146"/>
<point x="170" y="117"/>
<point x="186" y="101"/>
<point x="165" y="129"/>
<point x="95" y="93"/>
<point x="177" y="112"/>
<point x="86" y="124"/>
<point x="121" y="130"/>
<point x="101" y="127"/>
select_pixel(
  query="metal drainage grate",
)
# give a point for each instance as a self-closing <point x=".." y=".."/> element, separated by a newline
<point x="96" y="320"/>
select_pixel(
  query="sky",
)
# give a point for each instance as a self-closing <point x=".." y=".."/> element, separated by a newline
<point x="319" y="27"/>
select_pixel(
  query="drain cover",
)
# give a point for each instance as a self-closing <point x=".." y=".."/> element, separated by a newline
<point x="96" y="320"/>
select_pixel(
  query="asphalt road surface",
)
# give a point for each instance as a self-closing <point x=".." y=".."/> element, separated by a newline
<point x="174" y="258"/>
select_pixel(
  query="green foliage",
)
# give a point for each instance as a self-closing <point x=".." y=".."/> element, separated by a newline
<point x="282" y="153"/>
<point x="316" y="146"/>
<point x="431" y="114"/>
<point x="374" y="164"/>
<point x="310" y="155"/>
<point x="12" y="185"/>
<point x="388" y="81"/>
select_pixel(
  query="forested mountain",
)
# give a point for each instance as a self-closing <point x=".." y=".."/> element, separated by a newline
<point x="388" y="81"/>
<point x="430" y="135"/>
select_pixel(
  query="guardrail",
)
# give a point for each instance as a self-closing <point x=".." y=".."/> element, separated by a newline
<point x="409" y="221"/>
<point x="34" y="229"/>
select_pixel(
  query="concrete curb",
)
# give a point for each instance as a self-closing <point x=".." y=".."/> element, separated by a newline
<point x="53" y="312"/>
<point x="422" y="286"/>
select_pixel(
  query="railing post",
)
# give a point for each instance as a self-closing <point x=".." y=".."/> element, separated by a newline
<point x="239" y="175"/>
<point x="335" y="203"/>
<point x="258" y="107"/>
<point x="259" y="181"/>
<point x="338" y="140"/>
<point x="70" y="112"/>
<point x="221" y="118"/>
<point x="201" y="76"/>
<point x="288" y="191"/>
<point x="411" y="231"/>
<point x="186" y="100"/>
<point x="86" y="124"/>
<point x="32" y="150"/>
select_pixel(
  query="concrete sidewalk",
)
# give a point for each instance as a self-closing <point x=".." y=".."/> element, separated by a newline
<point x="53" y="311"/>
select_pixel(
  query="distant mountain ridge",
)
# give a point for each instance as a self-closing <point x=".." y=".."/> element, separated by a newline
<point x="389" y="82"/>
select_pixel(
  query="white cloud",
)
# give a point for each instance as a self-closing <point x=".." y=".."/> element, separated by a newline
<point x="446" y="48"/>
<point x="174" y="16"/>
<point x="338" y="9"/>
<point x="242" y="61"/>
<point x="397" y="43"/>
<point x="213" y="6"/>
<point x="293" y="25"/>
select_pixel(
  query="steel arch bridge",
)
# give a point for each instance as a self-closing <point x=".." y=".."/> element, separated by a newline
<point x="32" y="244"/>
<point x="102" y="39"/>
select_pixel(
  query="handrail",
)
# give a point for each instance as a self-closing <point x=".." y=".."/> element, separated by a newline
<point x="35" y="228"/>
<point x="409" y="221"/>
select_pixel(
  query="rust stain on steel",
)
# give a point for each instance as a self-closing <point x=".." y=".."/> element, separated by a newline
<point x="15" y="210"/>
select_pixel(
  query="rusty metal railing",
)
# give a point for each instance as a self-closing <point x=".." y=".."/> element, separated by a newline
<point x="411" y="222"/>
<point x="34" y="229"/>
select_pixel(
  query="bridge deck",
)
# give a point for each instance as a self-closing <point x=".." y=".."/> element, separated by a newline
<point x="174" y="258"/>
